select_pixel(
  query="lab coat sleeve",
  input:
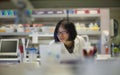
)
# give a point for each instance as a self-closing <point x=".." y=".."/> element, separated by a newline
<point x="51" y="42"/>
<point x="82" y="42"/>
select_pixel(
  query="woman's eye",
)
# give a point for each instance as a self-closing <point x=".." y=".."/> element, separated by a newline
<point x="62" y="32"/>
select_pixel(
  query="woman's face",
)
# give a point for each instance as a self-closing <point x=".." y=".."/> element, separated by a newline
<point x="63" y="35"/>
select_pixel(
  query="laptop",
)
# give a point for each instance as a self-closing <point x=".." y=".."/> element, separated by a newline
<point x="50" y="54"/>
<point x="9" y="49"/>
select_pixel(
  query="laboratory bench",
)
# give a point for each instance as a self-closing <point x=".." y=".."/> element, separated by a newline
<point x="89" y="66"/>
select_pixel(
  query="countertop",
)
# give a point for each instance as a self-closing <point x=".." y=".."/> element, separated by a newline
<point x="86" y="67"/>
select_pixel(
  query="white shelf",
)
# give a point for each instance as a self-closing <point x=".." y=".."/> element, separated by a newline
<point x="46" y="34"/>
<point x="50" y="16"/>
<point x="89" y="32"/>
<point x="13" y="33"/>
<point x="57" y="15"/>
<point x="43" y="35"/>
<point x="84" y="15"/>
<point x="7" y="17"/>
<point x="24" y="34"/>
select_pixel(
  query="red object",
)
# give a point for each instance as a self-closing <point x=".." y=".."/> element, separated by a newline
<point x="21" y="48"/>
<point x="85" y="52"/>
<point x="106" y="50"/>
<point x="98" y="11"/>
<point x="94" y="51"/>
<point x="90" y="53"/>
<point x="87" y="11"/>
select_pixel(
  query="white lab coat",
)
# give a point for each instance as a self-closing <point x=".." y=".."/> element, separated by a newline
<point x="77" y="52"/>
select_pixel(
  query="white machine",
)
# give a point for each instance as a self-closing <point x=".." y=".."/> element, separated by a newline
<point x="9" y="50"/>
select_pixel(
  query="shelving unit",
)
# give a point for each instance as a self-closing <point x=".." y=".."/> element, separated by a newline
<point x="83" y="15"/>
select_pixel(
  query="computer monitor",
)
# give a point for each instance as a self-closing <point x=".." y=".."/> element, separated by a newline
<point x="9" y="46"/>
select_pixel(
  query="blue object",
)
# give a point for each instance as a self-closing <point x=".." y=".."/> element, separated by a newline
<point x="3" y="13"/>
<point x="31" y="49"/>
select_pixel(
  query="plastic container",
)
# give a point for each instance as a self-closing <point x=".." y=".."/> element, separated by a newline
<point x="32" y="54"/>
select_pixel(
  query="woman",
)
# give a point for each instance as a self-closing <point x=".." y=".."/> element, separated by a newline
<point x="72" y="44"/>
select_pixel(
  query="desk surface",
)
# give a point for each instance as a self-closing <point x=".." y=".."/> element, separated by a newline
<point x="86" y="67"/>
